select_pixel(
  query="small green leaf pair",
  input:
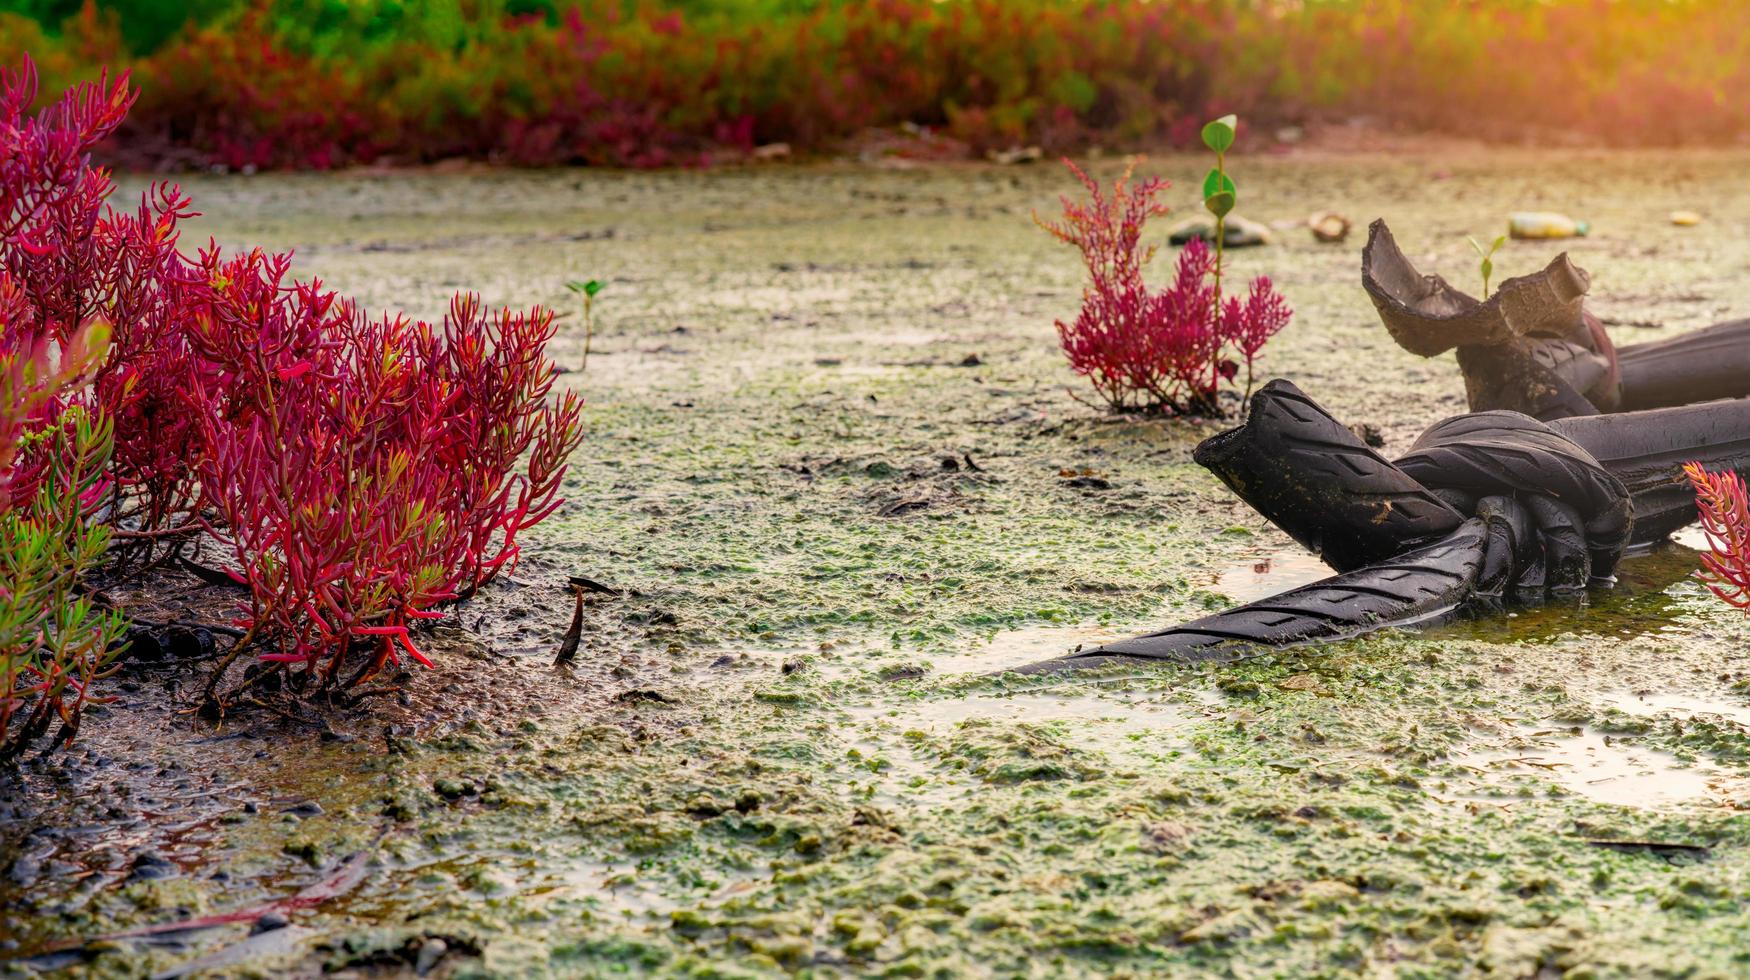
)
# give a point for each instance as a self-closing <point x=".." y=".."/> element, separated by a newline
<point x="1219" y="193"/>
<point x="1488" y="257"/>
<point x="588" y="287"/>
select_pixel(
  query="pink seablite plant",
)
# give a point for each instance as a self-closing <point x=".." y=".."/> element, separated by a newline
<point x="1167" y="351"/>
<point x="74" y="260"/>
<point x="369" y="474"/>
<point x="1725" y="517"/>
<point x="360" y="472"/>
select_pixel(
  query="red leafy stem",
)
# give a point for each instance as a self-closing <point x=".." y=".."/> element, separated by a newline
<point x="1725" y="518"/>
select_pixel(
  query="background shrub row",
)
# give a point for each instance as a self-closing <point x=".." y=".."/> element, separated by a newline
<point x="325" y="83"/>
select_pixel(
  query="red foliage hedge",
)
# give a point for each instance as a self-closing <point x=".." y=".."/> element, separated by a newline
<point x="653" y="83"/>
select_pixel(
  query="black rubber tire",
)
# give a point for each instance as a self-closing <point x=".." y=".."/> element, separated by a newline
<point x="1310" y="476"/>
<point x="1535" y="487"/>
<point x="1696" y="367"/>
<point x="1646" y="450"/>
<point x="1490" y="453"/>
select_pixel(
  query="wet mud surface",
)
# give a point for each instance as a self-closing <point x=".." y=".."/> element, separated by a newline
<point x="833" y="464"/>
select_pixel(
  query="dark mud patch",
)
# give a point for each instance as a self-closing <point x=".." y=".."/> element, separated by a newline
<point x="159" y="825"/>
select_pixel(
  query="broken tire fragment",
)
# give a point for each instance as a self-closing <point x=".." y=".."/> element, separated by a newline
<point x="1482" y="505"/>
<point x="1533" y="347"/>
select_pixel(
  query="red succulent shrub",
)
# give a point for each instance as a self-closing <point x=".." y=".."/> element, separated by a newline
<point x="360" y="471"/>
<point x="1168" y="350"/>
<point x="74" y="260"/>
<point x="1720" y="500"/>
<point x="291" y="83"/>
<point x="366" y="470"/>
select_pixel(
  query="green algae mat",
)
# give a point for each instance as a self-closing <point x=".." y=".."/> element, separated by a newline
<point x="837" y="472"/>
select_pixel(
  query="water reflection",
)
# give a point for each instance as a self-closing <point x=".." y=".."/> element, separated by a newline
<point x="1641" y="603"/>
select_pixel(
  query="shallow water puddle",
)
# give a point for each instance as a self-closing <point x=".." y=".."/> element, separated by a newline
<point x="1687" y="705"/>
<point x="1644" y="601"/>
<point x="1691" y="536"/>
<point x="1262" y="577"/>
<point x="1017" y="648"/>
<point x="1600" y="768"/>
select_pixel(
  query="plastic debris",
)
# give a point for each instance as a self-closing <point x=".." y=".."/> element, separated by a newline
<point x="1014" y="155"/>
<point x="1544" y="224"/>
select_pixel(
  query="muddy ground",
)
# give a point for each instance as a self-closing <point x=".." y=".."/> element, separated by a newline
<point x="834" y="463"/>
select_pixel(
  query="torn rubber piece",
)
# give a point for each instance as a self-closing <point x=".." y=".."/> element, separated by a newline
<point x="1534" y="348"/>
<point x="1531" y="347"/>
<point x="1427" y="316"/>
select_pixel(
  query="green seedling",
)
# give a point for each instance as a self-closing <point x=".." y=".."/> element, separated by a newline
<point x="588" y="288"/>
<point x="1220" y="196"/>
<point x="1488" y="259"/>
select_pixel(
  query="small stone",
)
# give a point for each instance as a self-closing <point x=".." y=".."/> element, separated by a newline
<point x="151" y="866"/>
<point x="1239" y="232"/>
<point x="1328" y="227"/>
<point x="268" y="922"/>
<point x="309" y="850"/>
<point x="430" y="952"/>
<point x="143" y="646"/>
<point x="183" y="643"/>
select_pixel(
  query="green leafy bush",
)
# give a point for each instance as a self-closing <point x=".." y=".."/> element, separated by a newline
<point x="53" y="641"/>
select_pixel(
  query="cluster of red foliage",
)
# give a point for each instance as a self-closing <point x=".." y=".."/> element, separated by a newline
<point x="53" y="642"/>
<point x="364" y="470"/>
<point x="361" y="471"/>
<point x="1725" y="518"/>
<point x="1166" y="351"/>
<point x="291" y="83"/>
